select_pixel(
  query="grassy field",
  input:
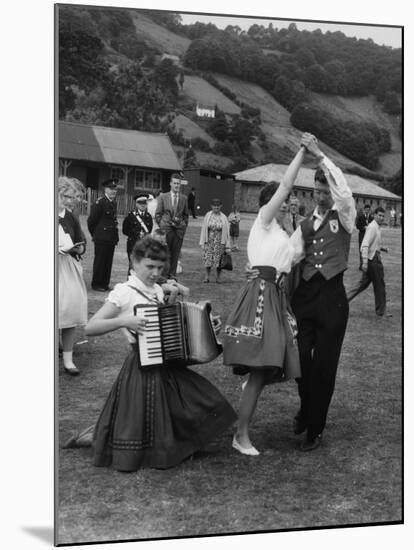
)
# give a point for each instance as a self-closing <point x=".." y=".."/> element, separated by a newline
<point x="355" y="477"/>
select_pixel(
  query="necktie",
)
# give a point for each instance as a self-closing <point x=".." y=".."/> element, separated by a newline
<point x="294" y="221"/>
<point x="175" y="202"/>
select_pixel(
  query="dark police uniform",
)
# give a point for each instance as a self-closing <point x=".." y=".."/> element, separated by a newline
<point x="103" y="226"/>
<point x="135" y="226"/>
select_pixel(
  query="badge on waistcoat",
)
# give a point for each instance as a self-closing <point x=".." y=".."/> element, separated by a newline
<point x="333" y="224"/>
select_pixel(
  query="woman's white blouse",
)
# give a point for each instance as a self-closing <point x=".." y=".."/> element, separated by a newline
<point x="125" y="297"/>
<point x="269" y="245"/>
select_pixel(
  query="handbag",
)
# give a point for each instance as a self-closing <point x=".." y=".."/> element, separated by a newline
<point x="226" y="261"/>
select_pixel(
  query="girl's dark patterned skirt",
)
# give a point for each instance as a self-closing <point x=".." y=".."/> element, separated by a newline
<point x="156" y="417"/>
<point x="261" y="330"/>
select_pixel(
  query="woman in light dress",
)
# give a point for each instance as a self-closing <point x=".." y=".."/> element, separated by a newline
<point x="72" y="289"/>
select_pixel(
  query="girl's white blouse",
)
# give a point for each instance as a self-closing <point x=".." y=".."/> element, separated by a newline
<point x="269" y="245"/>
<point x="125" y="297"/>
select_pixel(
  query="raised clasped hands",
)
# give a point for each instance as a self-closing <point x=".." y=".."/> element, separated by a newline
<point x="310" y="143"/>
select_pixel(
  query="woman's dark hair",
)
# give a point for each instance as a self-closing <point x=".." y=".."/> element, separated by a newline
<point x="379" y="209"/>
<point x="216" y="202"/>
<point x="149" y="248"/>
<point x="320" y="176"/>
<point x="267" y="192"/>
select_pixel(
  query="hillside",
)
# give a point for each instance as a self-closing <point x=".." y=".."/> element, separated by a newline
<point x="276" y="119"/>
<point x="282" y="137"/>
<point x="158" y="36"/>
<point x="133" y="45"/>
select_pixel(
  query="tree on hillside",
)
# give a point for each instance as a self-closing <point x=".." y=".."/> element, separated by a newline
<point x="241" y="133"/>
<point x="165" y="76"/>
<point x="392" y="104"/>
<point x="218" y="126"/>
<point x="80" y="65"/>
<point x="305" y="58"/>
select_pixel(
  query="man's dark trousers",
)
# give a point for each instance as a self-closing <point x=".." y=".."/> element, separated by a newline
<point x="102" y="264"/>
<point x="321" y="310"/>
<point x="374" y="275"/>
<point x="174" y="243"/>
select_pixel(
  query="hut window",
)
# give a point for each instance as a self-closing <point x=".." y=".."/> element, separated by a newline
<point x="147" y="179"/>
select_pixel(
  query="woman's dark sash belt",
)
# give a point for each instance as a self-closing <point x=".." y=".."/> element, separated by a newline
<point x="270" y="274"/>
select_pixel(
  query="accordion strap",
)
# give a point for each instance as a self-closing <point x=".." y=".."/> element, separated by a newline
<point x="149" y="298"/>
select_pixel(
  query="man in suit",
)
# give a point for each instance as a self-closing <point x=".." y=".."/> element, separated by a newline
<point x="292" y="219"/>
<point x="363" y="218"/>
<point x="172" y="217"/>
<point x="103" y="226"/>
<point x="137" y="223"/>
<point x="319" y="303"/>
<point x="191" y="202"/>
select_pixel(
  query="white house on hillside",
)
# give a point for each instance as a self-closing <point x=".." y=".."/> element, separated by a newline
<point x="204" y="111"/>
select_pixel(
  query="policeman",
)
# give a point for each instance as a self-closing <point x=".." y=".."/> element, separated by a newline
<point x="103" y="226"/>
<point x="137" y="223"/>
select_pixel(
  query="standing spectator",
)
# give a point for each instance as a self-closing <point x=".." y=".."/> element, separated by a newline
<point x="103" y="226"/>
<point x="234" y="221"/>
<point x="293" y="218"/>
<point x="191" y="202"/>
<point x="172" y="216"/>
<point x="320" y="303"/>
<point x="137" y="223"/>
<point x="372" y="268"/>
<point x="363" y="218"/>
<point x="72" y="289"/>
<point x="393" y="217"/>
<point x="214" y="239"/>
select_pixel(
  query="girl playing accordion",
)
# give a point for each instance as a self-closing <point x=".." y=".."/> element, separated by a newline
<point x="157" y="416"/>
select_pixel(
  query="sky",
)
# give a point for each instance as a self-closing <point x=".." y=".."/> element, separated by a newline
<point x="388" y="36"/>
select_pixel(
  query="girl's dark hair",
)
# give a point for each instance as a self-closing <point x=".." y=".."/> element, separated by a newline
<point x="267" y="192"/>
<point x="216" y="202"/>
<point x="320" y="176"/>
<point x="148" y="247"/>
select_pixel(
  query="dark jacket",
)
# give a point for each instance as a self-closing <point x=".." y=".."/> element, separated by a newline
<point x="135" y="227"/>
<point x="70" y="224"/>
<point x="102" y="221"/>
<point x="361" y="221"/>
<point x="170" y="219"/>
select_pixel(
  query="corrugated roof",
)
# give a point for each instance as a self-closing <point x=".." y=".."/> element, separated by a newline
<point x="305" y="179"/>
<point x="116" y="146"/>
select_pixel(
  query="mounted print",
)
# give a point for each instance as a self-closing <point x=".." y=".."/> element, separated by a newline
<point x="195" y="400"/>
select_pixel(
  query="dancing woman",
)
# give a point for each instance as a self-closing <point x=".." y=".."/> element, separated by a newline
<point x="260" y="333"/>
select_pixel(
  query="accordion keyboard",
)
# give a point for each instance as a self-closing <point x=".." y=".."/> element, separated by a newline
<point x="163" y="339"/>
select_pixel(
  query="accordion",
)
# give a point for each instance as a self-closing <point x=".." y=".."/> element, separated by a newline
<point x="180" y="333"/>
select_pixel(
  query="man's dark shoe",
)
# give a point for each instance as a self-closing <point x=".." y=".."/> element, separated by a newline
<point x="311" y="444"/>
<point x="299" y="424"/>
<point x="99" y="289"/>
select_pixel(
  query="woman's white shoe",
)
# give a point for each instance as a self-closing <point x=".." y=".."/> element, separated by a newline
<point x="249" y="451"/>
